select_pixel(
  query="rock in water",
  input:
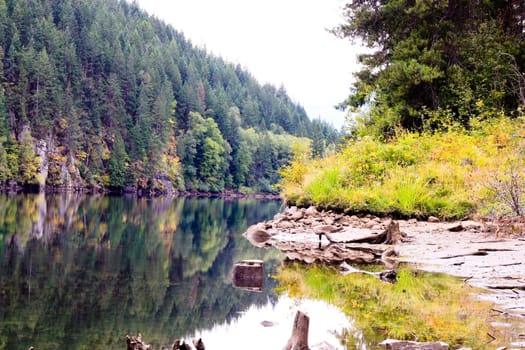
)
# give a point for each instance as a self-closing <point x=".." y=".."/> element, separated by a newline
<point x="257" y="235"/>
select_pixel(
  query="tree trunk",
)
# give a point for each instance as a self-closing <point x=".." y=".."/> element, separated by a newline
<point x="299" y="338"/>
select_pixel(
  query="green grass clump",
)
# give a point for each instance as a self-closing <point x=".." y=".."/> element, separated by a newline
<point x="421" y="306"/>
<point x="448" y="174"/>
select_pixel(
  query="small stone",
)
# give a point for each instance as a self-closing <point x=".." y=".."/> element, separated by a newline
<point x="329" y="220"/>
<point x="433" y="219"/>
<point x="412" y="221"/>
<point x="279" y="216"/>
<point x="456" y="228"/>
<point x="311" y="211"/>
<point x="298" y="215"/>
<point x="292" y="210"/>
<point x="285" y="225"/>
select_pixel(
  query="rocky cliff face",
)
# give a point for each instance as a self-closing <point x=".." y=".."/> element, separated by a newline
<point x="58" y="170"/>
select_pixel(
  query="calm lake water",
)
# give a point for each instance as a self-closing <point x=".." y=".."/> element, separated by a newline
<point x="81" y="272"/>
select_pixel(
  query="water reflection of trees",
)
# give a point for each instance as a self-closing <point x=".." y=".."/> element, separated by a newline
<point x="80" y="272"/>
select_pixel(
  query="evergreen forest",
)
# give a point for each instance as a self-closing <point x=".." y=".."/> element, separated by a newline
<point x="98" y="94"/>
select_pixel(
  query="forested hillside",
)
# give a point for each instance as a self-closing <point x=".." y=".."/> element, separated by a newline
<point x="96" y="93"/>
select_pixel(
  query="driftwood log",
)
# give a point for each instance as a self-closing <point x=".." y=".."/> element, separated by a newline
<point x="389" y="276"/>
<point x="393" y="344"/>
<point x="299" y="338"/>
<point x="390" y="235"/>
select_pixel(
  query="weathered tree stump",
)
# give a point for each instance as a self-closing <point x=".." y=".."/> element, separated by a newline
<point x="249" y="275"/>
<point x="180" y="345"/>
<point x="299" y="338"/>
<point x="136" y="343"/>
<point x="199" y="345"/>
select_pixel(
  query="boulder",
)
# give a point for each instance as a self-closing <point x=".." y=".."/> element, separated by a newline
<point x="257" y="235"/>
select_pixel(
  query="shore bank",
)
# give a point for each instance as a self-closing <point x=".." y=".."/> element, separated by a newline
<point x="488" y="255"/>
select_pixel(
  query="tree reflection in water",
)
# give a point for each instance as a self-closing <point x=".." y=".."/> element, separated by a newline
<point x="81" y="272"/>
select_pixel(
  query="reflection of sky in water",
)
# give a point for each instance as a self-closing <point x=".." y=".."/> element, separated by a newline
<point x="247" y="331"/>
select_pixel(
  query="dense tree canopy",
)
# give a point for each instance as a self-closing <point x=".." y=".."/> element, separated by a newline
<point x="436" y="62"/>
<point x="116" y="98"/>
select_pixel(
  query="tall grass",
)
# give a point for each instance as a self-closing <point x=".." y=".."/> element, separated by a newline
<point x="417" y="175"/>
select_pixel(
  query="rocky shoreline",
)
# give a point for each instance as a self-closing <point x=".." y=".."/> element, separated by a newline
<point x="487" y="254"/>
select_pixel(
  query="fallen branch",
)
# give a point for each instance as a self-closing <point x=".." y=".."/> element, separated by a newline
<point x="389" y="276"/>
<point x="393" y="344"/>
<point x="510" y="286"/>
<point x="476" y="253"/>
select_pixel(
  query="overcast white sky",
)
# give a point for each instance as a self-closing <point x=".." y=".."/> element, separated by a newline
<point x="278" y="41"/>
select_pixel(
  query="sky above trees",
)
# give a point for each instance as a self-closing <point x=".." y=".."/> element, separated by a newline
<point x="279" y="42"/>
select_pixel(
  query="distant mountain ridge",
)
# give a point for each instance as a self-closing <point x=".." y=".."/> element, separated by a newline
<point x="98" y="94"/>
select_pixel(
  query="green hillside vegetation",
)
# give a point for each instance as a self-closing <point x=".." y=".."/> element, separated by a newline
<point x="449" y="175"/>
<point x="438" y="115"/>
<point x="97" y="93"/>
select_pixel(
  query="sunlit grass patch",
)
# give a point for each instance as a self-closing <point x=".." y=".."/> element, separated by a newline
<point x="421" y="306"/>
<point x="449" y="175"/>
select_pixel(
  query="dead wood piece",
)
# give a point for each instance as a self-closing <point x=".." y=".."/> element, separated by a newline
<point x="393" y="344"/>
<point x="456" y="228"/>
<point x="299" y="338"/>
<point x="502" y="265"/>
<point x="476" y="253"/>
<point x="510" y="286"/>
<point x="199" y="345"/>
<point x="389" y="276"/>
<point x="180" y="345"/>
<point x="135" y="343"/>
<point x="387" y="259"/>
<point x="496" y="250"/>
<point x="391" y="235"/>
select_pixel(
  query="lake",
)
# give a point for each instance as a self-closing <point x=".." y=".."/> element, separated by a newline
<point x="81" y="272"/>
